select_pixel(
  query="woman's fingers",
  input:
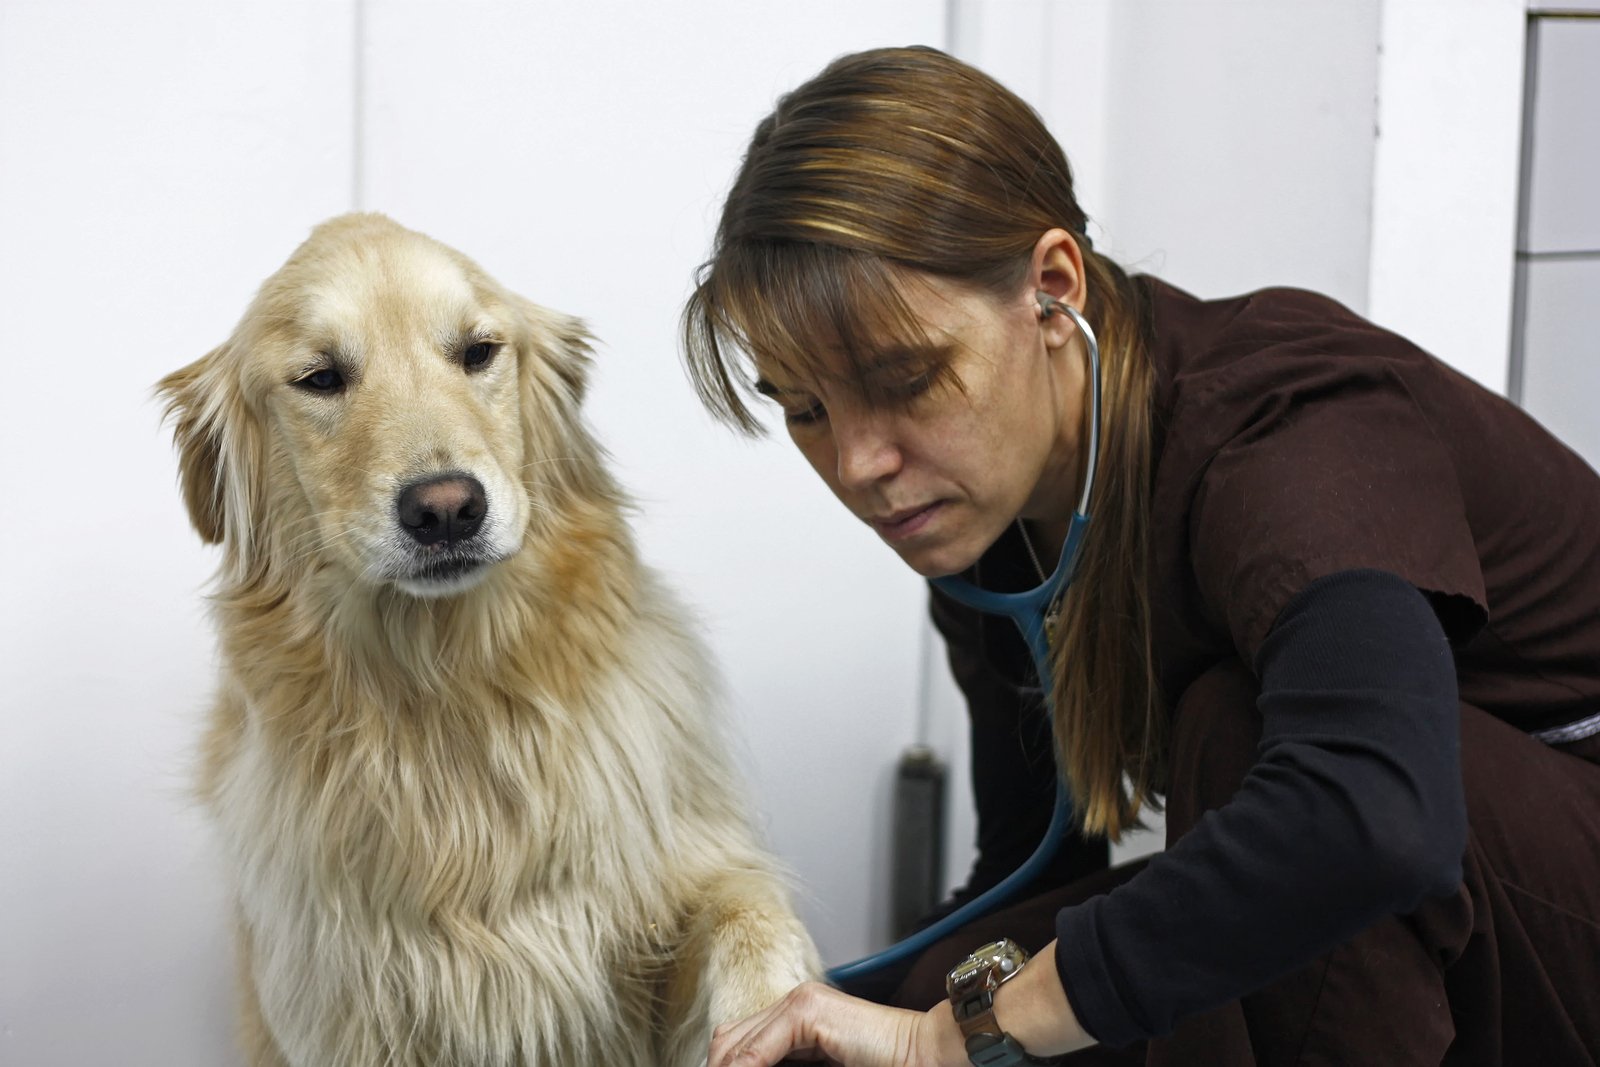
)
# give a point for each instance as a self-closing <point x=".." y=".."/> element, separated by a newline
<point x="760" y="1040"/>
<point x="815" y="1022"/>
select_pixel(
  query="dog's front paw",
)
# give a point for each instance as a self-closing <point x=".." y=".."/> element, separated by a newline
<point x="738" y="997"/>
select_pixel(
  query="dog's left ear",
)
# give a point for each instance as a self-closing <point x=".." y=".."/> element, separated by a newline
<point x="559" y="349"/>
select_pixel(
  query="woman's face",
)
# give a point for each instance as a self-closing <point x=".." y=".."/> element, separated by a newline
<point x="939" y="472"/>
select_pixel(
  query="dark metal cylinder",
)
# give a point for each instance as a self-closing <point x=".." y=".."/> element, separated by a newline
<point x="916" y="880"/>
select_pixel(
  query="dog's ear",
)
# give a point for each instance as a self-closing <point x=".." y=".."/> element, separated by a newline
<point x="199" y="441"/>
<point x="559" y="342"/>
<point x="221" y="458"/>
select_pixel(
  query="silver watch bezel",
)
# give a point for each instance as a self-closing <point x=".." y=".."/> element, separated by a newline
<point x="988" y="967"/>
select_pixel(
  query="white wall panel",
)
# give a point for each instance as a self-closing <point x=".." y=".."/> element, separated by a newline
<point x="1561" y="350"/>
<point x="157" y="160"/>
<point x="1239" y="142"/>
<point x="1445" y="178"/>
<point x="580" y="153"/>
<point x="1563" y="193"/>
<point x="1056" y="55"/>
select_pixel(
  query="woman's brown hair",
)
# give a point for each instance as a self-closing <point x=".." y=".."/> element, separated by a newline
<point x="907" y="159"/>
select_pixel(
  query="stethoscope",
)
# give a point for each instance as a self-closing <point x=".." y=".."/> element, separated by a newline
<point x="1030" y="610"/>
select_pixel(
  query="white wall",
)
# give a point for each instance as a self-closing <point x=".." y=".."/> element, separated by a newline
<point x="1445" y="209"/>
<point x="157" y="161"/>
<point x="1363" y="148"/>
<point x="1222" y="144"/>
<point x="1241" y="143"/>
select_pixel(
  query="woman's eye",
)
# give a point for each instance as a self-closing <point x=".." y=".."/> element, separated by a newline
<point x="914" y="387"/>
<point x="479" y="354"/>
<point x="813" y="414"/>
<point x="326" y="380"/>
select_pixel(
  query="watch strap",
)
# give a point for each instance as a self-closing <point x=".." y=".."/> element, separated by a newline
<point x="1002" y="1050"/>
<point x="975" y="1014"/>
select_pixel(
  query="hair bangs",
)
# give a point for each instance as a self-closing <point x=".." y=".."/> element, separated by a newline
<point x="809" y="312"/>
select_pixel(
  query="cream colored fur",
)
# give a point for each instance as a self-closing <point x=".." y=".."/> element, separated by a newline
<point x="481" y="823"/>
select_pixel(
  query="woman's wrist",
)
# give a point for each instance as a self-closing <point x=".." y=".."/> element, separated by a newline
<point x="945" y="1042"/>
<point x="1032" y="1007"/>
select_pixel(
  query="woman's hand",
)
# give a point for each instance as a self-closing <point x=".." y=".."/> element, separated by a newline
<point x="817" y="1022"/>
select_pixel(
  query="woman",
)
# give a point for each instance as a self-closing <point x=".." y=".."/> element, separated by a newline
<point x="1334" y="598"/>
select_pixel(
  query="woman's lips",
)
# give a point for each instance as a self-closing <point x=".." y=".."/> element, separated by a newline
<point x="904" y="524"/>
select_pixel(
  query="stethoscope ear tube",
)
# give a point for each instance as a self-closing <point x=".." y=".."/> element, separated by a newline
<point x="1028" y="610"/>
<point x="1091" y="462"/>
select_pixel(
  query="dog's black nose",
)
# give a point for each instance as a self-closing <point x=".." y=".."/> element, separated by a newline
<point x="447" y="509"/>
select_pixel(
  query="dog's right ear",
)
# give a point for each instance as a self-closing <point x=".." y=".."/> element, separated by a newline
<point x="198" y="436"/>
<point x="561" y="347"/>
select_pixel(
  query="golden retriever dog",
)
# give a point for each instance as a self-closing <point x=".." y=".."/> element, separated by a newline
<point x="464" y="755"/>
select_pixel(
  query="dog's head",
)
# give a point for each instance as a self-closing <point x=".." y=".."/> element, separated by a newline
<point x="384" y="408"/>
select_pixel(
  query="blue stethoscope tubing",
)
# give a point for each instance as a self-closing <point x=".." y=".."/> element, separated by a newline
<point x="1029" y="610"/>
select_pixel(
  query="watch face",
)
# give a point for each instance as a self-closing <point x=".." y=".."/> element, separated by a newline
<point x="987" y="967"/>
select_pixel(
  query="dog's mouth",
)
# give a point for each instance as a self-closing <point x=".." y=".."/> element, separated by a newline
<point x="442" y="573"/>
<point x="446" y="570"/>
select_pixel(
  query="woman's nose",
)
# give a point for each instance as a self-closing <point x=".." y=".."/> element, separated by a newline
<point x="867" y="450"/>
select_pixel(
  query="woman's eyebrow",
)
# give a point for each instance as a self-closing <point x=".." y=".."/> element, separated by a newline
<point x="889" y="363"/>
<point x="901" y="358"/>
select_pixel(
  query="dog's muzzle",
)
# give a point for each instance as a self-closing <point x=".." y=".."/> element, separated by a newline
<point x="444" y="517"/>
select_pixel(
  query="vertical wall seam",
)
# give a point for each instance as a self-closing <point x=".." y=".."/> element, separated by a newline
<point x="358" y="106"/>
<point x="1375" y="171"/>
<point x="1516" y="368"/>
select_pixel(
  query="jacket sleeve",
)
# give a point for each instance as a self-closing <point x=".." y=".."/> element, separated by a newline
<point x="1353" y="811"/>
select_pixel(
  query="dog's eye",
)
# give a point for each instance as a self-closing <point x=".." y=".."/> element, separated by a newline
<point x="326" y="380"/>
<point x="478" y="355"/>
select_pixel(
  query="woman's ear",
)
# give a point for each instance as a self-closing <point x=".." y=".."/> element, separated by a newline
<point x="1057" y="269"/>
<point x="199" y="442"/>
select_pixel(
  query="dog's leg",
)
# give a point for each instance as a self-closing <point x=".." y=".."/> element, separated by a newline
<point x="743" y="948"/>
<point x="255" y="1039"/>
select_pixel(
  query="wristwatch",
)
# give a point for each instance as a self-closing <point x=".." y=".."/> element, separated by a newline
<point x="972" y="986"/>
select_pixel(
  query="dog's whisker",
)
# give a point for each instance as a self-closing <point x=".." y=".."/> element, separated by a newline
<point x="548" y="460"/>
<point x="314" y="539"/>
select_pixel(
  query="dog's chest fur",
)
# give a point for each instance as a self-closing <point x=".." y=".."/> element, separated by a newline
<point x="463" y="876"/>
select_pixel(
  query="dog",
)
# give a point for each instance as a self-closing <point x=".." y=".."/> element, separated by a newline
<point x="464" y="759"/>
